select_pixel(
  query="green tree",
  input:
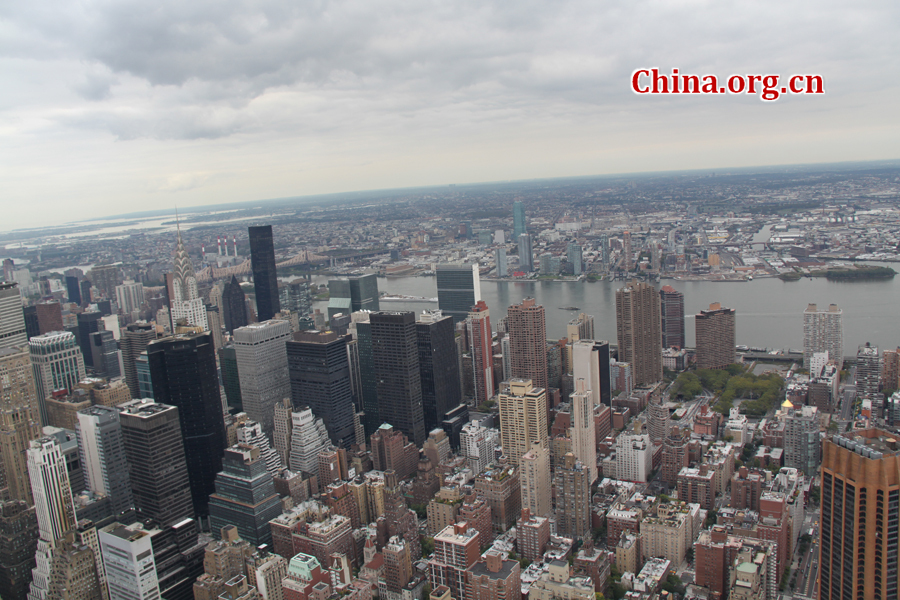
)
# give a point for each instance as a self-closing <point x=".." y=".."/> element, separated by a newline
<point x="427" y="545"/>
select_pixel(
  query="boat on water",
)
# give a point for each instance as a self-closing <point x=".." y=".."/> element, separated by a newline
<point x="569" y="308"/>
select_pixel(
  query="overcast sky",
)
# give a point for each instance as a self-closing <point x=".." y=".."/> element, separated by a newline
<point x="112" y="106"/>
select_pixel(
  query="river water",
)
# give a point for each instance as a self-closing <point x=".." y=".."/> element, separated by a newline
<point x="769" y="312"/>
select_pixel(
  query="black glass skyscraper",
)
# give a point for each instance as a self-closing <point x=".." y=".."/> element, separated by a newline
<point x="183" y="372"/>
<point x="320" y="378"/>
<point x="368" y="383"/>
<point x="88" y="323"/>
<point x="395" y="352"/>
<point x="234" y="305"/>
<point x="353" y="294"/>
<point x="458" y="289"/>
<point x="72" y="289"/>
<point x="265" y="279"/>
<point x="438" y="367"/>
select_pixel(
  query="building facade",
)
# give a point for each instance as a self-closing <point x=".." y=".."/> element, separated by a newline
<point x="639" y="331"/>
<point x="265" y="277"/>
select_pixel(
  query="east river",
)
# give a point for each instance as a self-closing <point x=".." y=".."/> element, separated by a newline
<point x="769" y="311"/>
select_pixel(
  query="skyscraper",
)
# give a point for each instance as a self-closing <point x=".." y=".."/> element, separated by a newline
<point x="573" y="499"/>
<point x="526" y="253"/>
<point x="50" y="488"/>
<point x="129" y="562"/>
<point x="860" y="501"/>
<point x="106" y="278"/>
<point x="234" y="305"/>
<point x="183" y="371"/>
<point x="480" y="340"/>
<point x="57" y="363"/>
<point x="574" y="254"/>
<point x="368" y="400"/>
<point x="458" y="289"/>
<point x="627" y="252"/>
<point x="18" y="541"/>
<point x="438" y="366"/>
<point x="19" y="421"/>
<point x="134" y="341"/>
<point x="823" y="331"/>
<point x="265" y="278"/>
<point x="638" y="328"/>
<point x="583" y="430"/>
<point x="672" y="311"/>
<point x="715" y="337"/>
<point x="262" y="364"/>
<point x="73" y="292"/>
<point x="154" y="450"/>
<point x="528" y="341"/>
<point x="534" y="480"/>
<point x="519" y="224"/>
<point x="868" y="377"/>
<point x="245" y="495"/>
<point x="604" y="251"/>
<point x="88" y="323"/>
<point x="352" y="294"/>
<point x="105" y="354"/>
<point x="49" y="316"/>
<point x="801" y="440"/>
<point x="523" y="418"/>
<point x="130" y="297"/>
<point x="185" y="303"/>
<point x="502" y="265"/>
<point x="590" y="361"/>
<point x="103" y="457"/>
<point x="308" y="437"/>
<point x="395" y="354"/>
<point x="319" y="370"/>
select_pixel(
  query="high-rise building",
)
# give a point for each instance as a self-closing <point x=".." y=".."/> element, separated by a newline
<point x="353" y="294"/>
<point x="477" y="443"/>
<point x="130" y="297"/>
<point x="18" y="541"/>
<point x="574" y="254"/>
<point x="281" y="436"/>
<point x="868" y="377"/>
<point x="265" y="278"/>
<point x="502" y="265"/>
<point x="129" y="563"/>
<point x="523" y="418"/>
<point x="526" y="253"/>
<point x="262" y="364"/>
<point x="105" y="354"/>
<point x="860" y="500"/>
<point x="185" y="304"/>
<point x="580" y="328"/>
<point x="183" y="370"/>
<point x="480" y="337"/>
<point x="145" y="383"/>
<point x="396" y="360"/>
<point x="49" y="315"/>
<point x="528" y="341"/>
<point x="361" y="329"/>
<point x="627" y="252"/>
<point x="234" y="305"/>
<point x="534" y="480"/>
<point x="57" y="363"/>
<point x="32" y="327"/>
<point x="231" y="379"/>
<point x="672" y="312"/>
<point x="50" y="488"/>
<point x="634" y="457"/>
<point x="319" y="369"/>
<point x="520" y="225"/>
<point x="438" y="366"/>
<point x="573" y="499"/>
<point x="494" y="578"/>
<point x="584" y="432"/>
<point x="214" y="322"/>
<point x="251" y="433"/>
<point x="458" y="289"/>
<point x="638" y="329"/>
<point x="801" y="440"/>
<point x="73" y="291"/>
<point x="456" y="548"/>
<point x="151" y="436"/>
<point x="134" y="340"/>
<point x="88" y="323"/>
<point x="245" y="495"/>
<point x="19" y="421"/>
<point x="309" y="437"/>
<point x="105" y="279"/>
<point x="715" y="337"/>
<point x="590" y="361"/>
<point x="103" y="457"/>
<point x="823" y="331"/>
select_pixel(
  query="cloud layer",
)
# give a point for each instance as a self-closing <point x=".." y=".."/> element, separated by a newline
<point x="286" y="98"/>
